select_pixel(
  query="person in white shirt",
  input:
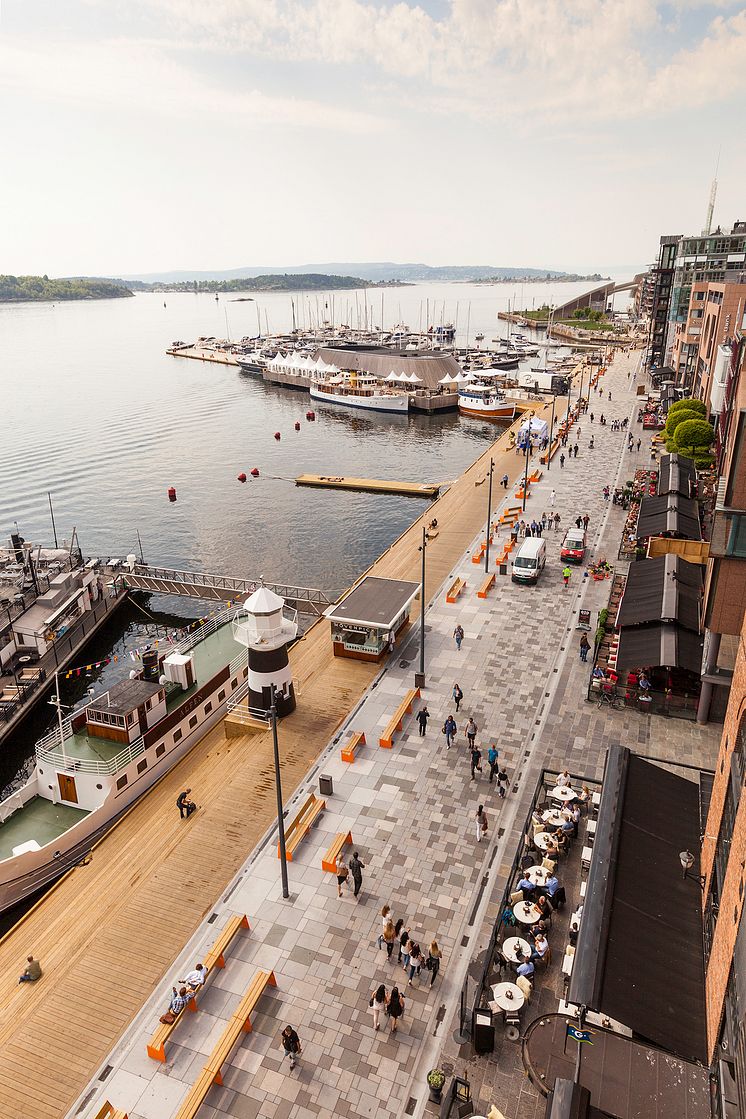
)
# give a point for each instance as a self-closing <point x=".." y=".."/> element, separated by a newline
<point x="195" y="979"/>
<point x="564" y="778"/>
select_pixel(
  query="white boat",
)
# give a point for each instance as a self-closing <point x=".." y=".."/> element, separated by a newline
<point x="485" y="401"/>
<point x="109" y="752"/>
<point x="359" y="390"/>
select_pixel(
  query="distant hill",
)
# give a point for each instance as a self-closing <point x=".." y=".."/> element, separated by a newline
<point x="38" y="289"/>
<point x="372" y="272"/>
<point x="305" y="281"/>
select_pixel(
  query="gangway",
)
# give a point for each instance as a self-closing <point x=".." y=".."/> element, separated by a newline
<point x="219" y="588"/>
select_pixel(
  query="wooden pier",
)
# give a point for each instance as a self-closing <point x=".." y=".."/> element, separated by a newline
<point x="110" y="931"/>
<point x="370" y="485"/>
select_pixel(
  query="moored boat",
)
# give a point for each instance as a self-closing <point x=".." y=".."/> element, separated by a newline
<point x="358" y="390"/>
<point x="485" y="401"/>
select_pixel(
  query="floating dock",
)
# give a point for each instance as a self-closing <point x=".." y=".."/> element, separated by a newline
<point x="370" y="485"/>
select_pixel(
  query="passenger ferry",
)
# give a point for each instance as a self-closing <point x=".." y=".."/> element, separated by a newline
<point x="106" y="754"/>
<point x="359" y="390"/>
<point x="485" y="401"/>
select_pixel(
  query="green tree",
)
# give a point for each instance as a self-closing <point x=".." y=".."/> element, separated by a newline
<point x="694" y="437"/>
<point x="678" y="417"/>
<point x="690" y="405"/>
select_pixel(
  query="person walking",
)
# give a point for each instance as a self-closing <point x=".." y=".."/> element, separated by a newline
<point x="407" y="952"/>
<point x="591" y="417"/>
<point x="578" y="521"/>
<point x="434" y="957"/>
<point x="639" y="444"/>
<point x="476" y="761"/>
<point x="403" y="935"/>
<point x="32" y="971"/>
<point x="395" y="1007"/>
<point x="342" y="875"/>
<point x="557" y="520"/>
<point x="377" y="1005"/>
<point x="291" y="1044"/>
<point x="471" y="732"/>
<point x="566" y="573"/>
<point x="457" y="694"/>
<point x="502" y="783"/>
<point x="492" y="759"/>
<point x="449" y="730"/>
<point x="389" y="939"/>
<point x="357" y="867"/>
<point x="504" y="481"/>
<point x="586" y="522"/>
<point x="584" y="647"/>
<point x="458" y="635"/>
<point x="481" y="823"/>
<point x="385" y="920"/>
<point x="590" y="444"/>
<point x="422" y="716"/>
<point x="552" y="498"/>
<point x="575" y="451"/>
<point x="415" y="963"/>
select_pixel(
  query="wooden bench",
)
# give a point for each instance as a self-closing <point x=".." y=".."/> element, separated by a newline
<point x="297" y="831"/>
<point x="329" y="861"/>
<point x="396" y="720"/>
<point x="214" y="958"/>
<point x="108" y="1111"/>
<point x="455" y="589"/>
<point x="238" y="1023"/>
<point x="479" y="553"/>
<point x="487" y="585"/>
<point x="347" y="752"/>
<point x="432" y="533"/>
<point x="536" y="476"/>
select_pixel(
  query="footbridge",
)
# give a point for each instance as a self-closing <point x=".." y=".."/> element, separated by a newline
<point x="219" y="588"/>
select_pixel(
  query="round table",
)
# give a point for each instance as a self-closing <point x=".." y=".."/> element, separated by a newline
<point x="526" y="912"/>
<point x="563" y="792"/>
<point x="537" y="874"/>
<point x="553" y="817"/>
<point x="508" y="996"/>
<point x="515" y="948"/>
<point x="542" y="839"/>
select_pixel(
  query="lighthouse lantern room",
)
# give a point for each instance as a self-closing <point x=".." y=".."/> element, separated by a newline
<point x="265" y="625"/>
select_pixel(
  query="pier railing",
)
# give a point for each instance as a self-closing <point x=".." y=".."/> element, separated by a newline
<point x="200" y="584"/>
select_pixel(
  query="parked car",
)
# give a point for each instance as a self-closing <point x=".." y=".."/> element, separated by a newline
<point x="573" y="546"/>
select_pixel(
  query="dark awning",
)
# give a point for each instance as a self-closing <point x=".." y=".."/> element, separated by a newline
<point x="677" y="475"/>
<point x="663" y="589"/>
<point x="668" y="514"/>
<point x="659" y="646"/>
<point x="640" y="952"/>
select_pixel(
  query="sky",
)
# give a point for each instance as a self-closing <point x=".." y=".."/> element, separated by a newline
<point x="146" y="135"/>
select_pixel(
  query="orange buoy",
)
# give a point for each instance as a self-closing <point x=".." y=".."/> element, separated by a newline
<point x="172" y="493"/>
<point x="277" y="435"/>
<point x="297" y="426"/>
<point x="255" y="472"/>
<point x="242" y="477"/>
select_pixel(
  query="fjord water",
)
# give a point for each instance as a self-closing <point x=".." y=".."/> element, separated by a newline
<point x="96" y="412"/>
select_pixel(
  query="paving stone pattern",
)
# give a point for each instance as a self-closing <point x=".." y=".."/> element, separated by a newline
<point x="411" y="810"/>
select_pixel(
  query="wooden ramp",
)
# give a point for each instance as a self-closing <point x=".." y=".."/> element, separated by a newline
<point x="108" y="934"/>
<point x="372" y="485"/>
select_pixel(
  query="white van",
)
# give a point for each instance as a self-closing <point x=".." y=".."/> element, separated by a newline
<point x="529" y="561"/>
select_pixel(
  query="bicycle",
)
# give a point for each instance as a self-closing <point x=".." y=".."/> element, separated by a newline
<point x="609" y="699"/>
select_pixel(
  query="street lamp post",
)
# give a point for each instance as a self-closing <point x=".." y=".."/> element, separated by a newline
<point x="278" y="789"/>
<point x="419" y="677"/>
<point x="551" y="433"/>
<point x="489" y="519"/>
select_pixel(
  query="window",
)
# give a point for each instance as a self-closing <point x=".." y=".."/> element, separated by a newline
<point x="161" y="750"/>
<point x="193" y="722"/>
<point x="234" y="684"/>
<point x="221" y="695"/>
<point x="177" y="736"/>
<point x="122" y="782"/>
<point x="142" y="766"/>
<point x="736" y="542"/>
<point x="148" y="704"/>
<point x="208" y="708"/>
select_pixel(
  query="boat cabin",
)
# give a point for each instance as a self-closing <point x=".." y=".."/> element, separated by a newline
<point x="365" y="620"/>
<point x="126" y="711"/>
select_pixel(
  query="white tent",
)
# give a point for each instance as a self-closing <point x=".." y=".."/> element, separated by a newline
<point x="414" y="379"/>
<point x="447" y="380"/>
<point x="392" y="376"/>
<point x="539" y="429"/>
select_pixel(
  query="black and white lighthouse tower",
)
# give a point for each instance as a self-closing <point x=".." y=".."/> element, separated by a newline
<point x="265" y="625"/>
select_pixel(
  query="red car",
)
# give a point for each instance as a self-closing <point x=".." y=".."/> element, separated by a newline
<point x="573" y="546"/>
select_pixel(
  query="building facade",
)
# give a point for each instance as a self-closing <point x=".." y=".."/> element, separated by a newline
<point x="662" y="272"/>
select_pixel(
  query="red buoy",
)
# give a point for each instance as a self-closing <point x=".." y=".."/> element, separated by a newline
<point x="310" y="415"/>
<point x="172" y="493"/>
<point x="242" y="477"/>
<point x="277" y="435"/>
<point x="297" y="426"/>
<point x="255" y="472"/>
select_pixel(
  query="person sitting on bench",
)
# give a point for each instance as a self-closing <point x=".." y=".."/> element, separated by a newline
<point x="195" y="979"/>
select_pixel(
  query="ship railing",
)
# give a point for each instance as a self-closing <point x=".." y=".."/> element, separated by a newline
<point x="68" y="762"/>
<point x="12" y="803"/>
<point x="208" y="627"/>
<point x="240" y="711"/>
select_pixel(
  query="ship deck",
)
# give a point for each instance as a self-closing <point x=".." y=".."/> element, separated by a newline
<point x="41" y="820"/>
<point x="117" y="924"/>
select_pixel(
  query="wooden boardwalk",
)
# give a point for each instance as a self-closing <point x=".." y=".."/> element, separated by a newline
<point x="110" y="931"/>
<point x="373" y="485"/>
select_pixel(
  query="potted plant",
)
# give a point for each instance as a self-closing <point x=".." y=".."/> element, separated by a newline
<point x="436" y="1078"/>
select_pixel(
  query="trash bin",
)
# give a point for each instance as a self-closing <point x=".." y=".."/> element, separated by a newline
<point x="326" y="785"/>
<point x="503" y="569"/>
<point x="483" y="1031"/>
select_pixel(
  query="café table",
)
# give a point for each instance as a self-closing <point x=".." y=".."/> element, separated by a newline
<point x="515" y="948"/>
<point x="563" y="793"/>
<point x="537" y="874"/>
<point x="508" y="996"/>
<point x="542" y="839"/>
<point x="553" y="817"/>
<point x="526" y="912"/>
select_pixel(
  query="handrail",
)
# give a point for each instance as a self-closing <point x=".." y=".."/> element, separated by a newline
<point x="210" y="626"/>
<point x="83" y="765"/>
<point x="312" y="596"/>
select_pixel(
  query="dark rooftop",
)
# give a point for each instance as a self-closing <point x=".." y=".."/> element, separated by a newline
<point x="665" y="588"/>
<point x="374" y="602"/>
<point x="670" y="514"/>
<point x="126" y="696"/>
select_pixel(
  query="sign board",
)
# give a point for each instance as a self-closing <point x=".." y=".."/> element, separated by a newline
<point x="584" y="620"/>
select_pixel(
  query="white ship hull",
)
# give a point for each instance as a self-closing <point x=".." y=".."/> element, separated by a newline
<point x="397" y="403"/>
<point x="495" y="409"/>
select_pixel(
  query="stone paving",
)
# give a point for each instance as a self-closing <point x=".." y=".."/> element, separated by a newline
<point x="411" y="812"/>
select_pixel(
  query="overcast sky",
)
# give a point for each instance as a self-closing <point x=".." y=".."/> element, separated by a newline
<point x="143" y="135"/>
